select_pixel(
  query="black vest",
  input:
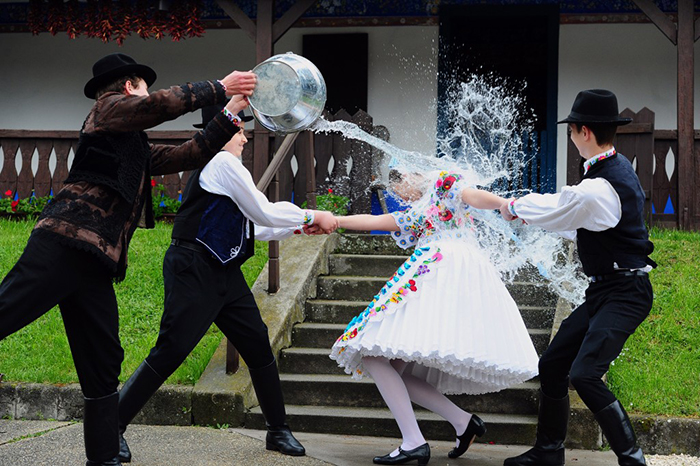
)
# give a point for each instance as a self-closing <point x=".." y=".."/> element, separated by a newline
<point x="627" y="244"/>
<point x="117" y="161"/>
<point x="214" y="221"/>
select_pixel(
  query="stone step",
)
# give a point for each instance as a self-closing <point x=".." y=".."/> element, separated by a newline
<point x="382" y="265"/>
<point x="299" y="360"/>
<point x="323" y="335"/>
<point x="364" y="289"/>
<point x="509" y="429"/>
<point x="374" y="265"/>
<point x="342" y="312"/>
<point x="369" y="244"/>
<point x="342" y="390"/>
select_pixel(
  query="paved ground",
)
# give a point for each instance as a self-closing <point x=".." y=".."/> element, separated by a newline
<point x="36" y="443"/>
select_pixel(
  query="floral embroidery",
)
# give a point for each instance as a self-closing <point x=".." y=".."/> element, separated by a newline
<point x="597" y="158"/>
<point x="308" y="217"/>
<point x="357" y="324"/>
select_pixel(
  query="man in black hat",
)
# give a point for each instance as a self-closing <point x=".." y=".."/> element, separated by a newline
<point x="79" y="244"/>
<point x="222" y="213"/>
<point x="604" y="214"/>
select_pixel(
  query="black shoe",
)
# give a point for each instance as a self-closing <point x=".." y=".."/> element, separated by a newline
<point x="475" y="428"/>
<point x="114" y="462"/>
<point x="281" y="439"/>
<point x="537" y="457"/>
<point x="124" y="452"/>
<point x="421" y="453"/>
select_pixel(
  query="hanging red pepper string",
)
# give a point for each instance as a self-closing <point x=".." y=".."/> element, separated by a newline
<point x="116" y="20"/>
<point x="194" y="27"/>
<point x="140" y="23"/>
<point x="35" y="17"/>
<point x="55" y="17"/>
<point x="73" y="24"/>
<point x="124" y="22"/>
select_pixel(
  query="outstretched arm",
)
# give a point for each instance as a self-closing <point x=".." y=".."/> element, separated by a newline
<point x="383" y="222"/>
<point x="481" y="199"/>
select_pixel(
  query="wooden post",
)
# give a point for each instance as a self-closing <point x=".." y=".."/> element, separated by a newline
<point x="265" y="33"/>
<point x="687" y="189"/>
<point x="310" y="170"/>
<point x="8" y="175"/>
<point x="263" y="51"/>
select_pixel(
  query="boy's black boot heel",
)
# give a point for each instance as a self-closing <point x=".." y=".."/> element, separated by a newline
<point x="475" y="428"/>
<point x="421" y="453"/>
<point x="617" y="428"/>
<point x="552" y="423"/>
<point x="140" y="387"/>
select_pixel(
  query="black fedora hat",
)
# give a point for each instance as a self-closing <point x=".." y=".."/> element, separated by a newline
<point x="114" y="66"/>
<point x="595" y="106"/>
<point x="210" y="111"/>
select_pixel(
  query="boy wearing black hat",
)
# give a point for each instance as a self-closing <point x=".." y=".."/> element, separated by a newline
<point x="222" y="213"/>
<point x="79" y="244"/>
<point x="604" y="214"/>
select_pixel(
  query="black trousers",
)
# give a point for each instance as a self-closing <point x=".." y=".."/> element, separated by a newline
<point x="48" y="274"/>
<point x="199" y="291"/>
<point x="592" y="337"/>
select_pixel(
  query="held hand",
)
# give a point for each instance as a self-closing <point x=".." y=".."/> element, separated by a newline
<point x="312" y="230"/>
<point x="240" y="82"/>
<point x="505" y="211"/>
<point x="237" y="103"/>
<point x="326" y="221"/>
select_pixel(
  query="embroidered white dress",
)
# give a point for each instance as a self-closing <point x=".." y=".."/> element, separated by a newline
<point x="445" y="309"/>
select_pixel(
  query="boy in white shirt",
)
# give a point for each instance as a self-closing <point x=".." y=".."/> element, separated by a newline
<point x="604" y="213"/>
<point x="222" y="213"/>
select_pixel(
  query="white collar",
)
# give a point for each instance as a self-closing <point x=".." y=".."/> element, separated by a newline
<point x="597" y="158"/>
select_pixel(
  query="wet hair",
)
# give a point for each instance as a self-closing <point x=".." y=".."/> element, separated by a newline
<point x="604" y="133"/>
<point x="395" y="176"/>
<point x="118" y="85"/>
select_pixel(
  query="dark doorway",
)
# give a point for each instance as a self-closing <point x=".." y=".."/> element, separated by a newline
<point x="342" y="60"/>
<point x="519" y="43"/>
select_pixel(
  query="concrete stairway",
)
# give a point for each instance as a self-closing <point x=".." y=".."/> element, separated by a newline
<point x="321" y="398"/>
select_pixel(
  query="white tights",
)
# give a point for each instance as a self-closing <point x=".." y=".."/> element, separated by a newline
<point x="399" y="389"/>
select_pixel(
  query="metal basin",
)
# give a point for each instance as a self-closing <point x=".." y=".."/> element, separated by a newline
<point x="290" y="94"/>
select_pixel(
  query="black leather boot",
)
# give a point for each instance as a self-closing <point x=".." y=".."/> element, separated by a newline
<point x="552" y="422"/>
<point x="101" y="430"/>
<point x="266" y="381"/>
<point x="617" y="428"/>
<point x="140" y="387"/>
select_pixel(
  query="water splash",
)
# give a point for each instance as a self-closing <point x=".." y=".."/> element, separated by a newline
<point x="485" y="142"/>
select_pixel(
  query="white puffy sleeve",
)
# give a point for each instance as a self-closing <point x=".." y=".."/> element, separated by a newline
<point x="592" y="204"/>
<point x="225" y="175"/>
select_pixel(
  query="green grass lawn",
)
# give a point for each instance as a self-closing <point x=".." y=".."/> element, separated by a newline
<point x="659" y="369"/>
<point x="40" y="352"/>
<point x="658" y="372"/>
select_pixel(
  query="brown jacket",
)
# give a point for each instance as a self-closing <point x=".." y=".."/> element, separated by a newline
<point x="92" y="216"/>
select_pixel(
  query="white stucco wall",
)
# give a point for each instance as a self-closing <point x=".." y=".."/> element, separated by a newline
<point x="42" y="77"/>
